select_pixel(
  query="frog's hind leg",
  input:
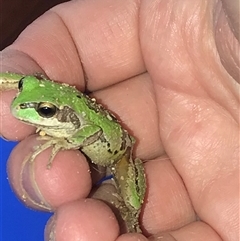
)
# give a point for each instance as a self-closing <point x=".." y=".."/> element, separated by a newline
<point x="131" y="185"/>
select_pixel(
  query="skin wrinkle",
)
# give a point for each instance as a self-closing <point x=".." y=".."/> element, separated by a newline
<point x="227" y="45"/>
<point x="231" y="8"/>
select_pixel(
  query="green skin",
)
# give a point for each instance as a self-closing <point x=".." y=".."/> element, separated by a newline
<point x="69" y="119"/>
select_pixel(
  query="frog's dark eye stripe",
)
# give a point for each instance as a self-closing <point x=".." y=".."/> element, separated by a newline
<point x="46" y="109"/>
<point x="20" y="83"/>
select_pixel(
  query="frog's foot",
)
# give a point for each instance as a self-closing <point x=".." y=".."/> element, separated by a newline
<point x="56" y="144"/>
<point x="129" y="215"/>
<point x="41" y="148"/>
<point x="128" y="218"/>
<point x="131" y="218"/>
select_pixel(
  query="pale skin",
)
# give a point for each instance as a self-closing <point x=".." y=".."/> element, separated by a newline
<point x="171" y="91"/>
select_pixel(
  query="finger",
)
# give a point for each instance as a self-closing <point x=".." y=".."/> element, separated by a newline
<point x="89" y="34"/>
<point x="132" y="237"/>
<point x="41" y="188"/>
<point x="196" y="231"/>
<point x="167" y="205"/>
<point x="83" y="220"/>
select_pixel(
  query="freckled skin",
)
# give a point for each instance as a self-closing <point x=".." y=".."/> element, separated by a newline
<point x="72" y="120"/>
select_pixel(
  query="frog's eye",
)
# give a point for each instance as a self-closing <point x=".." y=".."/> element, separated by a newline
<point x="20" y="84"/>
<point x="46" y="109"/>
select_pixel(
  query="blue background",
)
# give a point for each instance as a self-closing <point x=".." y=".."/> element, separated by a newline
<point x="18" y="223"/>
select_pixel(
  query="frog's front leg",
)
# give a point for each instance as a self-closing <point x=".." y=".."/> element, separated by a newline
<point x="58" y="144"/>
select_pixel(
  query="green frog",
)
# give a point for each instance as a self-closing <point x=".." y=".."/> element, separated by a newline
<point x="68" y="119"/>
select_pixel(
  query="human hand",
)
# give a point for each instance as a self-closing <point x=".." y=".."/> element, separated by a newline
<point x="156" y="65"/>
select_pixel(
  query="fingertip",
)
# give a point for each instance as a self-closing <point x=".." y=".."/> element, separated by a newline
<point x="132" y="237"/>
<point x="86" y="219"/>
<point x="46" y="189"/>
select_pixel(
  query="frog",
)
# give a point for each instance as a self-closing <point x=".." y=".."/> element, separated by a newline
<point x="66" y="118"/>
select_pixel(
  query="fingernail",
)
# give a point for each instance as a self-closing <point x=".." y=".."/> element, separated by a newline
<point x="31" y="192"/>
<point x="49" y="232"/>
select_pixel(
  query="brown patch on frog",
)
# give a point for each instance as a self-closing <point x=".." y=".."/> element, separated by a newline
<point x="124" y="141"/>
<point x="66" y="114"/>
